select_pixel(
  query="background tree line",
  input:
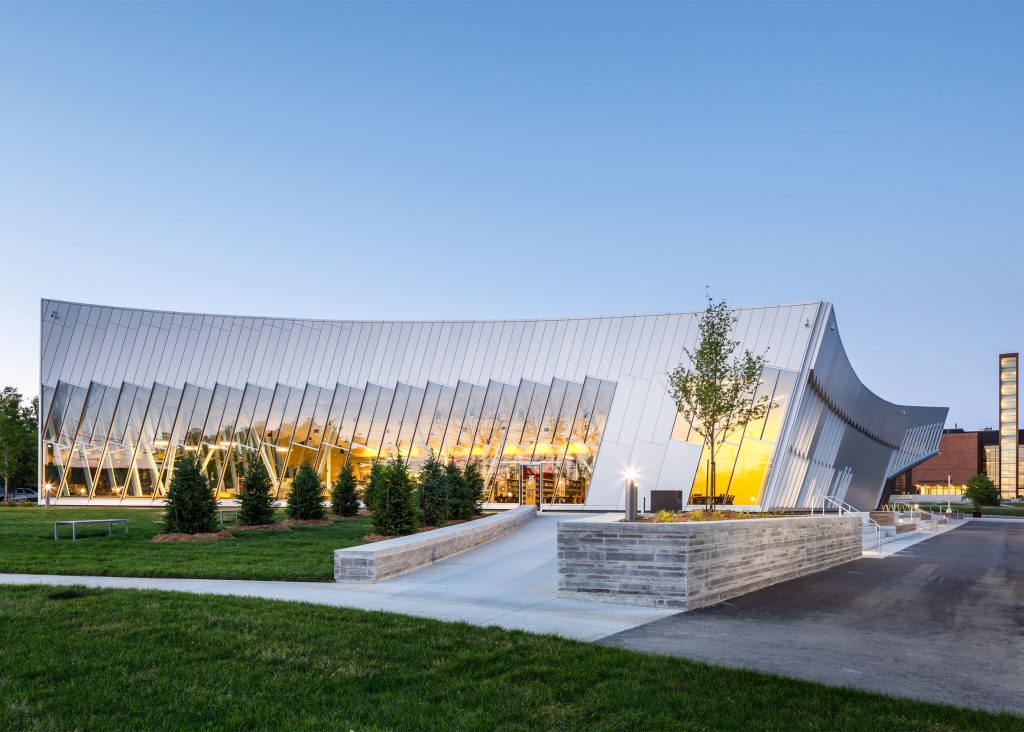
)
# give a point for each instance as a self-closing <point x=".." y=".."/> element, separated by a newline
<point x="18" y="456"/>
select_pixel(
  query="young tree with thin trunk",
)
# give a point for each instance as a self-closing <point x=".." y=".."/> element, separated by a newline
<point x="981" y="491"/>
<point x="715" y="392"/>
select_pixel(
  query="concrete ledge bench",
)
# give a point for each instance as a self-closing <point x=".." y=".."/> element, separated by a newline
<point x="84" y="522"/>
<point x="392" y="557"/>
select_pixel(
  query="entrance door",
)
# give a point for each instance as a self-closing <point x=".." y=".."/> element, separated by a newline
<point x="536" y="483"/>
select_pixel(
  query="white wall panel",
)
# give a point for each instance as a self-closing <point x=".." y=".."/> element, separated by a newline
<point x="561" y="363"/>
<point x="641" y="347"/>
<point x="620" y="404"/>
<point x="600" y="341"/>
<point x="679" y="467"/>
<point x="647" y="460"/>
<point x="654" y="405"/>
<point x="609" y="474"/>
<point x="634" y="410"/>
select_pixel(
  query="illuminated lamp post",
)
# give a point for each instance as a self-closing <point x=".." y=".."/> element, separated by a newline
<point x="631" y="492"/>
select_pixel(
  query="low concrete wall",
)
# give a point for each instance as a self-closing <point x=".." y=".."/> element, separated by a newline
<point x="695" y="564"/>
<point x="393" y="557"/>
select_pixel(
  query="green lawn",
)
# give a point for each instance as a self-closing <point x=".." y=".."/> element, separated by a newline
<point x="304" y="553"/>
<point x="967" y="508"/>
<point x="116" y="659"/>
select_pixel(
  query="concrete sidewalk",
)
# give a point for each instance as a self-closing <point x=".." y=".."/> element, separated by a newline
<point x="903" y="542"/>
<point x="510" y="583"/>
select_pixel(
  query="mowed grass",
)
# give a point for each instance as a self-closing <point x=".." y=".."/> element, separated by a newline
<point x="967" y="508"/>
<point x="76" y="658"/>
<point x="304" y="553"/>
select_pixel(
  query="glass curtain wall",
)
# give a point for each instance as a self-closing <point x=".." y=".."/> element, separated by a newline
<point x="121" y="444"/>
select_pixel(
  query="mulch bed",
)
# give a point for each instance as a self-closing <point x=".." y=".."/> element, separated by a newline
<point x="261" y="527"/>
<point x="185" y="538"/>
<point x="717" y="515"/>
<point x="383" y="537"/>
<point x="378" y="537"/>
<point x="311" y="522"/>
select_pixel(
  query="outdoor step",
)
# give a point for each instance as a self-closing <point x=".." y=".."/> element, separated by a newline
<point x="869" y="543"/>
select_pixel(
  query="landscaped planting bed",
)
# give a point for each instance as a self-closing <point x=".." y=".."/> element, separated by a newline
<point x="693" y="564"/>
<point x="305" y="552"/>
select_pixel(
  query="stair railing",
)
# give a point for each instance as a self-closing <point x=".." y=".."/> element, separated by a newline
<point x="845" y="508"/>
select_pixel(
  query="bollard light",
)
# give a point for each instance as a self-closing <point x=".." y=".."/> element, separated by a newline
<point x="631" y="494"/>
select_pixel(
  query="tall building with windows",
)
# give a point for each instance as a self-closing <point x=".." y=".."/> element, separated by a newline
<point x="555" y="411"/>
<point x="1009" y="480"/>
<point x="963" y="453"/>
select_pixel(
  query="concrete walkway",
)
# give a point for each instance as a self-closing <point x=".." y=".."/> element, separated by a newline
<point x="510" y="583"/>
<point x="942" y="621"/>
<point x="916" y="537"/>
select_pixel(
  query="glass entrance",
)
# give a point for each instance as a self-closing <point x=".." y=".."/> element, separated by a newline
<point x="536" y="483"/>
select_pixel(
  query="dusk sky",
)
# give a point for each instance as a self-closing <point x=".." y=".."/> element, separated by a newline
<point x="486" y="160"/>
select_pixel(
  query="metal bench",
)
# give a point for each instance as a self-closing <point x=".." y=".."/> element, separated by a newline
<point x="75" y="524"/>
<point x="228" y="510"/>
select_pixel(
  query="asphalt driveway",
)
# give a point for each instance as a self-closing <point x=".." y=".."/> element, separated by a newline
<point x="942" y="621"/>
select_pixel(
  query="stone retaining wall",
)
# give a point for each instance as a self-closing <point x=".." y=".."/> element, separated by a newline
<point x="392" y="557"/>
<point x="695" y="564"/>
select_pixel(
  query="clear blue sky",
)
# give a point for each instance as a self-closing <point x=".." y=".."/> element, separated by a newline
<point x="473" y="160"/>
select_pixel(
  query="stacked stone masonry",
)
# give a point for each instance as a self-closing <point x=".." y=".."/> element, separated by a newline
<point x="392" y="557"/>
<point x="695" y="564"/>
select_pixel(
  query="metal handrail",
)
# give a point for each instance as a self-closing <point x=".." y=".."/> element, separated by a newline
<point x="844" y="507"/>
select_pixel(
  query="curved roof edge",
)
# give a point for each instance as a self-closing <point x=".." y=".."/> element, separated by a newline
<point x="46" y="302"/>
<point x="835" y="375"/>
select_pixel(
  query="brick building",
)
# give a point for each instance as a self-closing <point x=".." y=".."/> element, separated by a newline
<point x="962" y="453"/>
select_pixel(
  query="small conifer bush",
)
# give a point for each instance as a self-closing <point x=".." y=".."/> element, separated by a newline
<point x="467" y="502"/>
<point x="344" y="501"/>
<point x="375" y="482"/>
<point x="396" y="512"/>
<point x="255" y="503"/>
<point x="190" y="507"/>
<point x="434" y="492"/>
<point x="306" y="501"/>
